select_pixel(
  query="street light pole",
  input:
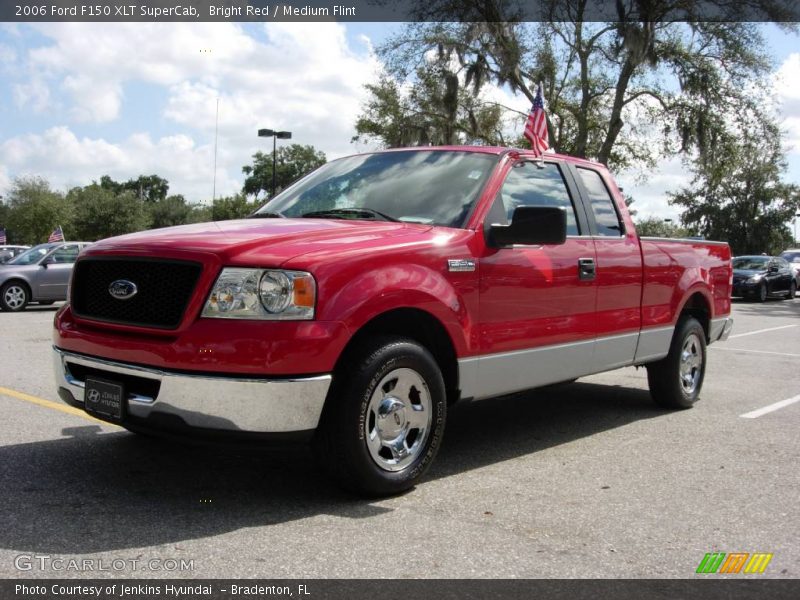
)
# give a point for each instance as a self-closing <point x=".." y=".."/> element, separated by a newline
<point x="284" y="135"/>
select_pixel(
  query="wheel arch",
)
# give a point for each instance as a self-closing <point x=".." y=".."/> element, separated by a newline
<point x="418" y="325"/>
<point x="697" y="305"/>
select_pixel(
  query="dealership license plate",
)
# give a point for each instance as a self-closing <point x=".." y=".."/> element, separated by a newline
<point x="104" y="399"/>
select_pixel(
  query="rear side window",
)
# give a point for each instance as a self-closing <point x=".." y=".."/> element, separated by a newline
<point x="528" y="184"/>
<point x="605" y="213"/>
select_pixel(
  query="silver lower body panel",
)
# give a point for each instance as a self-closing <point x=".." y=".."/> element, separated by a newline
<point x="222" y="403"/>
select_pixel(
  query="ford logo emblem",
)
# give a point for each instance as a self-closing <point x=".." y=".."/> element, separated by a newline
<point x="122" y="289"/>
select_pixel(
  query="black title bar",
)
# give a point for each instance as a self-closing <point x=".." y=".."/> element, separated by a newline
<point x="397" y="10"/>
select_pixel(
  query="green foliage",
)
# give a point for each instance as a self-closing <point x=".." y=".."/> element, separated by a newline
<point x="201" y="213"/>
<point x="151" y="188"/>
<point x="292" y="162"/>
<point x="437" y="109"/>
<point x="654" y="227"/>
<point x="34" y="211"/>
<point x="737" y="194"/>
<point x="609" y="86"/>
<point x="102" y="213"/>
<point x="172" y="210"/>
<point x="232" y="207"/>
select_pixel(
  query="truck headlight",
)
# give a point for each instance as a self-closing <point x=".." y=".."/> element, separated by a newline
<point x="262" y="294"/>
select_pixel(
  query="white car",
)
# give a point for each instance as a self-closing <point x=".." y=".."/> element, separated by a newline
<point x="792" y="255"/>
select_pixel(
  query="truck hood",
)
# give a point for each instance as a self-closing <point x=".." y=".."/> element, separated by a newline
<point x="257" y="241"/>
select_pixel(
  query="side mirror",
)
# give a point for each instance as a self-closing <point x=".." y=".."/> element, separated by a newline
<point x="531" y="225"/>
<point x="47" y="261"/>
<point x="773" y="269"/>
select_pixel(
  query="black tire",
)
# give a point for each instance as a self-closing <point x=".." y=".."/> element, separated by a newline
<point x="792" y="290"/>
<point x="668" y="378"/>
<point x="342" y="441"/>
<point x="14" y="296"/>
<point x="762" y="292"/>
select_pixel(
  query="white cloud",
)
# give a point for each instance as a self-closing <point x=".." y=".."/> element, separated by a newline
<point x="650" y="195"/>
<point x="34" y="95"/>
<point x="67" y="160"/>
<point x="303" y="77"/>
<point x="787" y="92"/>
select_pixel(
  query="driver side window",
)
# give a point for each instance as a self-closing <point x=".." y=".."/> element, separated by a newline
<point x="529" y="184"/>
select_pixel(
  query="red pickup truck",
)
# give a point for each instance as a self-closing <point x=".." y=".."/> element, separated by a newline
<point x="360" y="303"/>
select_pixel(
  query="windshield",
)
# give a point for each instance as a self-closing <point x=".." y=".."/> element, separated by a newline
<point x="751" y="263"/>
<point x="423" y="186"/>
<point x="31" y="256"/>
<point x="791" y="256"/>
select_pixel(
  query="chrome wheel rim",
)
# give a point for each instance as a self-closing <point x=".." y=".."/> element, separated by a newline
<point x="14" y="297"/>
<point x="691" y="363"/>
<point x="398" y="419"/>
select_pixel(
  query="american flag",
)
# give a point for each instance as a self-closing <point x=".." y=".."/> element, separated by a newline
<point x="536" y="125"/>
<point x="57" y="235"/>
<point x="3" y="236"/>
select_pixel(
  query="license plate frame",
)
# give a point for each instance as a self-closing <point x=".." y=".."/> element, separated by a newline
<point x="104" y="399"/>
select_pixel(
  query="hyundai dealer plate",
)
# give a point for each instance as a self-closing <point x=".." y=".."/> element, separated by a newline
<point x="104" y="399"/>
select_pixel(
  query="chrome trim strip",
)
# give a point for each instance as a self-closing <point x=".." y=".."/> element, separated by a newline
<point x="719" y="329"/>
<point x="212" y="402"/>
<point x="491" y="375"/>
<point x="653" y="344"/>
<point x="682" y="240"/>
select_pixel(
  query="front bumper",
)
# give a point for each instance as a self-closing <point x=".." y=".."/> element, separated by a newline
<point x="208" y="403"/>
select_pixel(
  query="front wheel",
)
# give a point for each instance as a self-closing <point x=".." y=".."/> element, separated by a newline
<point x="14" y="296"/>
<point x="676" y="380"/>
<point x="792" y="291"/>
<point x="762" y="292"/>
<point x="384" y="418"/>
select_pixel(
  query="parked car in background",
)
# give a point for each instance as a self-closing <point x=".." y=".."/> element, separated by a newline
<point x="792" y="256"/>
<point x="40" y="274"/>
<point x="759" y="277"/>
<point x="9" y="252"/>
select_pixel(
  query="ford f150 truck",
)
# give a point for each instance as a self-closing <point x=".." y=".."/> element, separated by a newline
<point x="360" y="303"/>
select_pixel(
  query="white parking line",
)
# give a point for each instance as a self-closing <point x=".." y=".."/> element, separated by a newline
<point x="738" y="335"/>
<point x="717" y="347"/>
<point x="753" y="414"/>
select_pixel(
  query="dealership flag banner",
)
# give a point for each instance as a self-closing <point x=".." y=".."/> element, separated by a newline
<point x="2" y="236"/>
<point x="536" y="125"/>
<point x="57" y="235"/>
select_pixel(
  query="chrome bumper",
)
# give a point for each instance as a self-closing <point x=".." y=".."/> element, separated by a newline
<point x="206" y="401"/>
<point x="720" y="329"/>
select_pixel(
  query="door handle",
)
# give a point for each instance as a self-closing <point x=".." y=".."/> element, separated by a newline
<point x="587" y="270"/>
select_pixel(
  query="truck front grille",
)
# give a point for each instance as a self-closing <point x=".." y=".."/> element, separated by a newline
<point x="163" y="289"/>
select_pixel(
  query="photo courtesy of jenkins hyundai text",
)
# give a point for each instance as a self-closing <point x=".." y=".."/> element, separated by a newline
<point x="359" y="304"/>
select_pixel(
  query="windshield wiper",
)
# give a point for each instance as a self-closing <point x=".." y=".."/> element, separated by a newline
<point x="360" y="212"/>
<point x="267" y="215"/>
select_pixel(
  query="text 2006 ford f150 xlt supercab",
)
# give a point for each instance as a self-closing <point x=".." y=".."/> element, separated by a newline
<point x="361" y="302"/>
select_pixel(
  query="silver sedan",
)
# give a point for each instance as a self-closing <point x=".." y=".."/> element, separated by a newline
<point x="40" y="274"/>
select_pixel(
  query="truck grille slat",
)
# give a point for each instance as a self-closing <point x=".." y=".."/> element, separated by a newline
<point x="164" y="288"/>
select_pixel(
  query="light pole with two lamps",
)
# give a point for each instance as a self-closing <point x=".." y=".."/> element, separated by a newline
<point x="275" y="135"/>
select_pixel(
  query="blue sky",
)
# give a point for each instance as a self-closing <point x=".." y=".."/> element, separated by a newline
<point x="81" y="100"/>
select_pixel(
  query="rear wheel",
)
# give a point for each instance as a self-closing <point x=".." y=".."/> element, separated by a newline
<point x="14" y="296"/>
<point x="676" y="381"/>
<point x="383" y="420"/>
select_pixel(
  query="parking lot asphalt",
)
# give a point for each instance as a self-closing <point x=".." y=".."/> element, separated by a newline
<point x="584" y="480"/>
